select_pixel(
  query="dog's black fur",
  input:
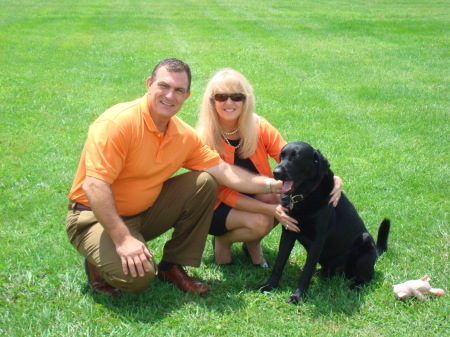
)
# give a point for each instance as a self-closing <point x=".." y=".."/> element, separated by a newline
<point x="334" y="237"/>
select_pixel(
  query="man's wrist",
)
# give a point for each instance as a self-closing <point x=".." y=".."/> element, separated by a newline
<point x="269" y="185"/>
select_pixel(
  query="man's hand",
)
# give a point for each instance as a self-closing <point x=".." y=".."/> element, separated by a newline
<point x="133" y="253"/>
<point x="134" y="256"/>
<point x="279" y="186"/>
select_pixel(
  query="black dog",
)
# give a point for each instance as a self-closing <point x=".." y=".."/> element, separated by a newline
<point x="334" y="237"/>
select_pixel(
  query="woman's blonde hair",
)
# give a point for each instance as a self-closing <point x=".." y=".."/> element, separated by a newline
<point x="228" y="81"/>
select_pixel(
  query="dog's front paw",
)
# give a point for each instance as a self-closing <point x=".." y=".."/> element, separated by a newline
<point x="357" y="286"/>
<point x="295" y="298"/>
<point x="266" y="287"/>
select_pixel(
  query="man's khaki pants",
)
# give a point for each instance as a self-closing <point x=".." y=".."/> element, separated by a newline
<point x="185" y="204"/>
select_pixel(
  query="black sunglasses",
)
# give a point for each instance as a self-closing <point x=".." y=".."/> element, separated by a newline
<point x="236" y="97"/>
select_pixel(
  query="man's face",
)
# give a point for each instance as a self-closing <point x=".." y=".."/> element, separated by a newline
<point x="167" y="94"/>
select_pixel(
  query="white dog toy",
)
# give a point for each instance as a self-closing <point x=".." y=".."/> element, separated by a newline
<point x="416" y="288"/>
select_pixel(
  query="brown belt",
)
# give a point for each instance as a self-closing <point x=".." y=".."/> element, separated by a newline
<point x="78" y="207"/>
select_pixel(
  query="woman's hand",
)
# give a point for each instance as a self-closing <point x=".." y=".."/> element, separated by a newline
<point x="285" y="220"/>
<point x="336" y="192"/>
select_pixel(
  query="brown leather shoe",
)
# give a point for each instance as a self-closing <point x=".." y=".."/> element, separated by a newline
<point x="178" y="275"/>
<point x="97" y="283"/>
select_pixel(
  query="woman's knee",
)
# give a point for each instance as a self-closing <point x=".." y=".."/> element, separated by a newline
<point x="262" y="224"/>
<point x="268" y="198"/>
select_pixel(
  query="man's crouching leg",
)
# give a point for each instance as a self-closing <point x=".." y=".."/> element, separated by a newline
<point x="185" y="204"/>
<point x="109" y="263"/>
<point x="102" y="265"/>
<point x="126" y="283"/>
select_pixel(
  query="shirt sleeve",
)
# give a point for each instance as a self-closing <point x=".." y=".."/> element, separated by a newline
<point x="201" y="157"/>
<point x="273" y="141"/>
<point x="106" y="151"/>
<point x="228" y="196"/>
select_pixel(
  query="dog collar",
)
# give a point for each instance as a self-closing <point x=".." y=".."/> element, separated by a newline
<point x="293" y="199"/>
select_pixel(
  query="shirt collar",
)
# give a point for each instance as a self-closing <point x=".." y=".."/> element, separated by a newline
<point x="171" y="127"/>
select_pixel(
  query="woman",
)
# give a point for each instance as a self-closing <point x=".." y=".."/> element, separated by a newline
<point x="228" y="124"/>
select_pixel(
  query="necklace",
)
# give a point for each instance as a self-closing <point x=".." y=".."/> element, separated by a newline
<point x="228" y="142"/>
<point x="229" y="133"/>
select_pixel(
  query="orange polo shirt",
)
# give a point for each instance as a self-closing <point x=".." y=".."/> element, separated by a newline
<point x="125" y="149"/>
<point x="270" y="143"/>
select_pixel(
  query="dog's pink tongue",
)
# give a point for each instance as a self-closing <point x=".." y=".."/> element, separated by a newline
<point x="287" y="185"/>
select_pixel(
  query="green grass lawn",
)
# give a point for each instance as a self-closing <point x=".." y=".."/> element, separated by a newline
<point x="366" y="82"/>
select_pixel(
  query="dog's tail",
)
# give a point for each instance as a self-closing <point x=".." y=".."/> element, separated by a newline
<point x="383" y="234"/>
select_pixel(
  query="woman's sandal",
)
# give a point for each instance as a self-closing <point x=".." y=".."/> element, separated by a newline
<point x="262" y="264"/>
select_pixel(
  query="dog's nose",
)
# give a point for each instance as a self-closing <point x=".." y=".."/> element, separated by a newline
<point x="278" y="173"/>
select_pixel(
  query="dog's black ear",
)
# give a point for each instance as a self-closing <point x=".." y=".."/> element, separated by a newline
<point x="322" y="162"/>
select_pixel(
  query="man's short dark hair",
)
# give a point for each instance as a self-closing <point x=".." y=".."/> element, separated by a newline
<point x="173" y="65"/>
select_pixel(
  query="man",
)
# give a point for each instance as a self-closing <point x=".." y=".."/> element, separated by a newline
<point x="124" y="194"/>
